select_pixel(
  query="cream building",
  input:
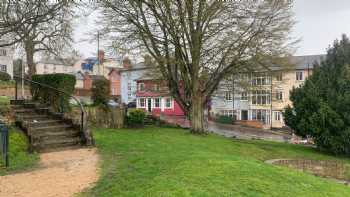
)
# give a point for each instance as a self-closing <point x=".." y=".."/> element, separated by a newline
<point x="262" y="96"/>
<point x="6" y="59"/>
<point x="53" y="66"/>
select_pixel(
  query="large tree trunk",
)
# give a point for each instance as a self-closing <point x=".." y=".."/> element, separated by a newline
<point x="29" y="48"/>
<point x="197" y="115"/>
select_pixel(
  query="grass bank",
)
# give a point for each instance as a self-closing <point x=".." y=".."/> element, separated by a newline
<point x="171" y="162"/>
<point x="19" y="158"/>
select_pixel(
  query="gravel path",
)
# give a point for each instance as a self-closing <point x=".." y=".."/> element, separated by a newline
<point x="61" y="174"/>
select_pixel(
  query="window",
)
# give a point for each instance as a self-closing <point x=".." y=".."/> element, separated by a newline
<point x="261" y="79"/>
<point x="141" y="86"/>
<point x="299" y="75"/>
<point x="3" y="68"/>
<point x="279" y="95"/>
<point x="129" y="86"/>
<point x="261" y="115"/>
<point x="157" y="102"/>
<point x="156" y="87"/>
<point x="277" y="115"/>
<point x="2" y="52"/>
<point x="279" y="77"/>
<point x="228" y="96"/>
<point x="244" y="96"/>
<point x="227" y="113"/>
<point x="142" y="102"/>
<point x="261" y="97"/>
<point x="168" y="103"/>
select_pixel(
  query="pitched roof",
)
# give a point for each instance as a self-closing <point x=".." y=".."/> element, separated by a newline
<point x="306" y="61"/>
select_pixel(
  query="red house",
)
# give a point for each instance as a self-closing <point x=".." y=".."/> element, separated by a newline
<point x="153" y="96"/>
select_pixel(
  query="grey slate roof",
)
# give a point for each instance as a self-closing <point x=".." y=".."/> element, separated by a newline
<point x="307" y="61"/>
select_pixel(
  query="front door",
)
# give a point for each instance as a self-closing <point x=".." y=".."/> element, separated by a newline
<point x="244" y="115"/>
<point x="149" y="104"/>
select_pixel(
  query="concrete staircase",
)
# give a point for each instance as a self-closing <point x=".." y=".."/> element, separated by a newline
<point x="46" y="130"/>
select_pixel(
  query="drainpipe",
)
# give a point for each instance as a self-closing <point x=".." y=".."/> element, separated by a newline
<point x="233" y="97"/>
<point x="271" y="102"/>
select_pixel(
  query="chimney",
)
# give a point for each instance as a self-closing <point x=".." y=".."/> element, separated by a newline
<point x="126" y="63"/>
<point x="101" y="56"/>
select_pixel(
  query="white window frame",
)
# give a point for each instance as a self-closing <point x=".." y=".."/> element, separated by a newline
<point x="142" y="104"/>
<point x="259" y="79"/>
<point x="279" y="95"/>
<point x="228" y="96"/>
<point x="228" y="113"/>
<point x="141" y="85"/>
<point x="277" y="115"/>
<point x="258" y="96"/>
<point x="3" y="67"/>
<point x="299" y="75"/>
<point x="279" y="76"/>
<point x="171" y="103"/>
<point x="155" y="102"/>
<point x="244" y="96"/>
<point x="3" y="52"/>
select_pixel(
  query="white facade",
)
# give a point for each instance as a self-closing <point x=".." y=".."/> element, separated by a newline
<point x="128" y="85"/>
<point x="51" y="67"/>
<point x="6" y="59"/>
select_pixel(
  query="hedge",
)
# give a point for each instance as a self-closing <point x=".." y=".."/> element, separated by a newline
<point x="63" y="82"/>
<point x="4" y="76"/>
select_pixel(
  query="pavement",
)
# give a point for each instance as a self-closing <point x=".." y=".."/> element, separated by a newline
<point x="234" y="131"/>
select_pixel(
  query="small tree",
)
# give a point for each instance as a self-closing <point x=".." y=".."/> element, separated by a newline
<point x="100" y="91"/>
<point x="321" y="107"/>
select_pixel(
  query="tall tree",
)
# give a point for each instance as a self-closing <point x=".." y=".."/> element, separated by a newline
<point x="321" y="107"/>
<point x="37" y="25"/>
<point x="199" y="42"/>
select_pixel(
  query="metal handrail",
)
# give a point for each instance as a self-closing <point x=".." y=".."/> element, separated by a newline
<point x="82" y="110"/>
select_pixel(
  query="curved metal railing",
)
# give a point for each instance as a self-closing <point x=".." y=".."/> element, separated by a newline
<point x="82" y="110"/>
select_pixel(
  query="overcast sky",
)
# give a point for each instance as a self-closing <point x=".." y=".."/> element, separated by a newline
<point x="319" y="23"/>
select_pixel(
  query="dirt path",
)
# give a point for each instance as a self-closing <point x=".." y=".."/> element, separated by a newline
<point x="62" y="174"/>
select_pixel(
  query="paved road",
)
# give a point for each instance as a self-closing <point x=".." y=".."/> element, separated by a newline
<point x="241" y="132"/>
<point x="236" y="131"/>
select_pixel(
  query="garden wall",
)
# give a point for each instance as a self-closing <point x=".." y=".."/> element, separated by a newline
<point x="100" y="117"/>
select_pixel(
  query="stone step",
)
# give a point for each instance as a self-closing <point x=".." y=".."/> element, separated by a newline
<point x="56" y="143"/>
<point x="55" y="134"/>
<point x="59" y="127"/>
<point x="23" y="110"/>
<point x="28" y="117"/>
<point x="43" y="123"/>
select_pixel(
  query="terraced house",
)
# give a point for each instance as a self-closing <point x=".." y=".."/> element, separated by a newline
<point x="259" y="98"/>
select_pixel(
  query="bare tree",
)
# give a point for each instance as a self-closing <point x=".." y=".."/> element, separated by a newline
<point x="37" y="26"/>
<point x="199" y="42"/>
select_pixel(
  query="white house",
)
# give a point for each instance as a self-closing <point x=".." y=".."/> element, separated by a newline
<point x="51" y="66"/>
<point x="6" y="59"/>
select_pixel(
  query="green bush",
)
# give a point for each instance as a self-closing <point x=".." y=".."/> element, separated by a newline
<point x="63" y="82"/>
<point x="224" y="119"/>
<point x="100" y="91"/>
<point x="4" y="76"/>
<point x="321" y="107"/>
<point x="136" y="117"/>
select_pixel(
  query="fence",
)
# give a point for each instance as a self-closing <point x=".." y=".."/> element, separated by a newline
<point x="4" y="143"/>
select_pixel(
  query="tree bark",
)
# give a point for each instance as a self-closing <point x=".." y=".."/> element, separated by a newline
<point x="197" y="115"/>
<point x="29" y="48"/>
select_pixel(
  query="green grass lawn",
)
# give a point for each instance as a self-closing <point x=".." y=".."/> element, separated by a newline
<point x="20" y="159"/>
<point x="4" y="100"/>
<point x="166" y="162"/>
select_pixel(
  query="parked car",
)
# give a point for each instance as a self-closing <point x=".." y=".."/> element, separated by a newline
<point x="132" y="104"/>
